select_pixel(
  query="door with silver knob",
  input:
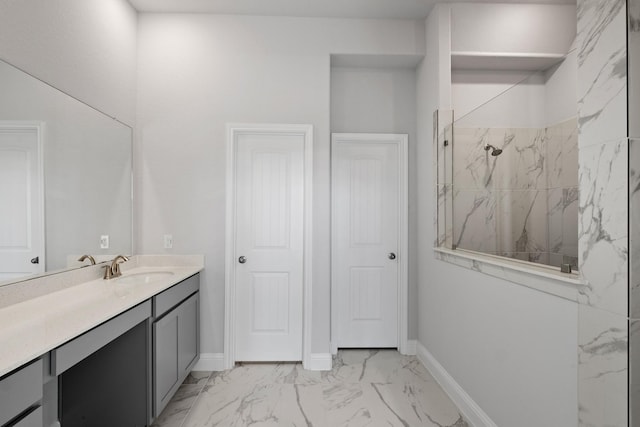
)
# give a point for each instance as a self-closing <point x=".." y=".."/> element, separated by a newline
<point x="269" y="216"/>
<point x="365" y="239"/>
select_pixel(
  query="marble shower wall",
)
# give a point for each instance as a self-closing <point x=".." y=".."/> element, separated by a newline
<point x="603" y="242"/>
<point x="634" y="161"/>
<point x="523" y="203"/>
<point x="562" y="196"/>
<point x="633" y="46"/>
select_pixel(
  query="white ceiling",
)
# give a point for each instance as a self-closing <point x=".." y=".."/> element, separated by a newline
<point x="393" y="9"/>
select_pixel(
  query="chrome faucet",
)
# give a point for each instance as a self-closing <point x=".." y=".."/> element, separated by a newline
<point x="113" y="270"/>
<point x="89" y="257"/>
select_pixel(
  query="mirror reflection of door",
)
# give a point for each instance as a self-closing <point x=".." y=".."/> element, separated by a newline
<point x="21" y="201"/>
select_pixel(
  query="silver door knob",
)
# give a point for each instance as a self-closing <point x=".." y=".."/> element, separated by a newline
<point x="242" y="260"/>
<point x="391" y="255"/>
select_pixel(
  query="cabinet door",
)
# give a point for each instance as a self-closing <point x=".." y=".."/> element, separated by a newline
<point x="165" y="354"/>
<point x="188" y="334"/>
<point x="176" y="349"/>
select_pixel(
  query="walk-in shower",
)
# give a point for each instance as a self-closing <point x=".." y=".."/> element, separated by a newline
<point x="524" y="206"/>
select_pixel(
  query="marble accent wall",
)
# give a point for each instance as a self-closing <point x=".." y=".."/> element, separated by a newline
<point x="634" y="227"/>
<point x="634" y="280"/>
<point x="603" y="346"/>
<point x="523" y="203"/>
<point x="634" y="209"/>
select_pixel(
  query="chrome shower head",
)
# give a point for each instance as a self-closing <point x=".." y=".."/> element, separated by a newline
<point x="494" y="151"/>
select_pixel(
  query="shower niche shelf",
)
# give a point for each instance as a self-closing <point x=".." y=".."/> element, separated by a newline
<point x="504" y="61"/>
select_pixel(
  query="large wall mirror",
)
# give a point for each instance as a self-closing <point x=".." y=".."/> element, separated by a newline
<point x="65" y="180"/>
<point x="512" y="172"/>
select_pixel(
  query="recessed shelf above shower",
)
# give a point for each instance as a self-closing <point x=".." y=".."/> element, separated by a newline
<point x="504" y="60"/>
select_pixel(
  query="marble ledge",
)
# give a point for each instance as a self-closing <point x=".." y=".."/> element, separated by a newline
<point x="541" y="278"/>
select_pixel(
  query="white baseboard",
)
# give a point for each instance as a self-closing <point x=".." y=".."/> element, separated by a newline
<point x="210" y="362"/>
<point x="471" y="412"/>
<point x="319" y="362"/>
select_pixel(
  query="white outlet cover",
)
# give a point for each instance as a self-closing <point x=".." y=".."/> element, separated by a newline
<point x="104" y="241"/>
<point x="168" y="241"/>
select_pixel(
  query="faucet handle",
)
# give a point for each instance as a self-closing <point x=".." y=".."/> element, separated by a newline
<point x="113" y="269"/>
<point x="116" y="269"/>
<point x="115" y="265"/>
<point x="108" y="273"/>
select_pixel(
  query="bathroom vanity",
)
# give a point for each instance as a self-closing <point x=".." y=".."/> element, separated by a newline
<point x="72" y="356"/>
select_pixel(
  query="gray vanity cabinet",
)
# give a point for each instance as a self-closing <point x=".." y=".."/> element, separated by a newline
<point x="21" y="395"/>
<point x="176" y="346"/>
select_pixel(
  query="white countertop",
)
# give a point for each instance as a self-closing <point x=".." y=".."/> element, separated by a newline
<point x="33" y="327"/>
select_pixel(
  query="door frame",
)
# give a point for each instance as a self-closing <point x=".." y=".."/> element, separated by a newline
<point x="234" y="130"/>
<point x="39" y="128"/>
<point x="402" y="141"/>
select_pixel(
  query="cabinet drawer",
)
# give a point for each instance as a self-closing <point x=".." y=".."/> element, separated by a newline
<point x="168" y="299"/>
<point x="67" y="355"/>
<point x="20" y="390"/>
<point x="34" y="419"/>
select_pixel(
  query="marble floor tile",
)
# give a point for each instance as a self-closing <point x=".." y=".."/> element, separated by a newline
<point x="364" y="388"/>
<point x="198" y="378"/>
<point x="177" y="409"/>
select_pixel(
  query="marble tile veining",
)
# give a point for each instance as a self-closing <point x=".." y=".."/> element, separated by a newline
<point x="634" y="372"/>
<point x="603" y="345"/>
<point x="521" y="204"/>
<point x="174" y="413"/>
<point x="602" y="368"/>
<point x="603" y="230"/>
<point x="364" y="388"/>
<point x="474" y="219"/>
<point x="602" y="70"/>
<point x="634" y="228"/>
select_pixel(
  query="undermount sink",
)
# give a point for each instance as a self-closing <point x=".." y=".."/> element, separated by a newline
<point x="143" y="278"/>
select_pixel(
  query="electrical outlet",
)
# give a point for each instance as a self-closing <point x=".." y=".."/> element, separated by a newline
<point x="104" y="241"/>
<point x="168" y="241"/>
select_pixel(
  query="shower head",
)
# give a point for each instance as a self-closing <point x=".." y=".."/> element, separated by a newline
<point x="494" y="151"/>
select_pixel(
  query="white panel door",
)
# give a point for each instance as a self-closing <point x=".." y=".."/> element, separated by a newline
<point x="269" y="247"/>
<point x="21" y="206"/>
<point x="365" y="224"/>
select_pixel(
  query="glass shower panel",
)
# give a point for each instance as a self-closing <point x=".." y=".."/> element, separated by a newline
<point x="443" y="137"/>
<point x="515" y="172"/>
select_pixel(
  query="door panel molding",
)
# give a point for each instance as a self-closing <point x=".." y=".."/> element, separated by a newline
<point x="34" y="238"/>
<point x="401" y="140"/>
<point x="234" y="132"/>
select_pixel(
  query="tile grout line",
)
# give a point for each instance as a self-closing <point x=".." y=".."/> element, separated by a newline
<point x="186" y="415"/>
